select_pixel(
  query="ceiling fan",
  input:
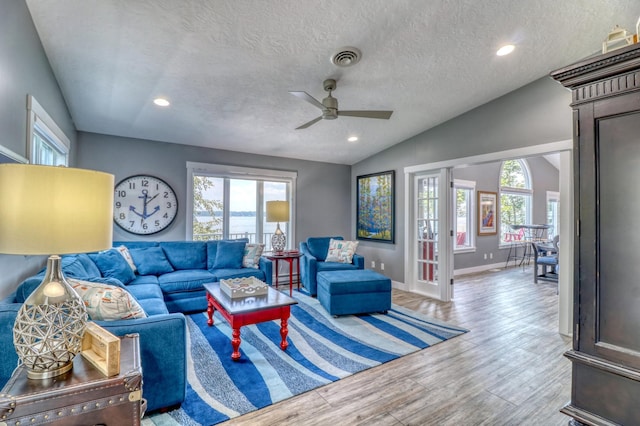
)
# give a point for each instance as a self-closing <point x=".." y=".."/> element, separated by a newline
<point x="329" y="107"/>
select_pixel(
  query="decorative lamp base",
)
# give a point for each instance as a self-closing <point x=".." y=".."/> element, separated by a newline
<point x="278" y="240"/>
<point x="48" y="330"/>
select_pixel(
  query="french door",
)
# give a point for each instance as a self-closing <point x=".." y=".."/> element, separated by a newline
<point x="432" y="235"/>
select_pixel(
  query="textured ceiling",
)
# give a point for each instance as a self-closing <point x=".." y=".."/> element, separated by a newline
<point x="227" y="65"/>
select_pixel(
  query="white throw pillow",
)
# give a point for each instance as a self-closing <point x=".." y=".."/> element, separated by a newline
<point x="251" y="257"/>
<point x="106" y="302"/>
<point x="341" y="251"/>
<point x="124" y="251"/>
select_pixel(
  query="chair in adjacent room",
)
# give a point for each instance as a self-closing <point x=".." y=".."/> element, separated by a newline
<point x="546" y="257"/>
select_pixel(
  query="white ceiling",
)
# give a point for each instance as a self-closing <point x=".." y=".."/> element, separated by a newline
<point x="227" y="65"/>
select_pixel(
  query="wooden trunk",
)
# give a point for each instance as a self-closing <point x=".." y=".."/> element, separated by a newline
<point x="83" y="396"/>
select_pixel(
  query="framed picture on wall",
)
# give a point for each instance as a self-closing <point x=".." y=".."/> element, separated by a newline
<point x="375" y="218"/>
<point x="487" y="213"/>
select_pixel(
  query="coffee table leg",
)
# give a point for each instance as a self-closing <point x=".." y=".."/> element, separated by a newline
<point x="284" y="327"/>
<point x="210" y="310"/>
<point x="235" y="343"/>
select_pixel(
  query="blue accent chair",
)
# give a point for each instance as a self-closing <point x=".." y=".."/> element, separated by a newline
<point x="314" y="252"/>
<point x="547" y="259"/>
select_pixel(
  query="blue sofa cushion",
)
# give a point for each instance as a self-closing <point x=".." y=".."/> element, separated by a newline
<point x="185" y="280"/>
<point x="111" y="264"/>
<point x="150" y="261"/>
<point x="336" y="266"/>
<point x="186" y="254"/>
<point x="8" y="313"/>
<point x="212" y="250"/>
<point x="319" y="246"/>
<point x="225" y="274"/>
<point x="153" y="306"/>
<point x="136" y="244"/>
<point x="143" y="279"/>
<point x="229" y="255"/>
<point x="145" y="291"/>
<point x="90" y="268"/>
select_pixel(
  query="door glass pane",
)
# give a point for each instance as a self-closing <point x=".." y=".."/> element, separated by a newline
<point x="427" y="227"/>
<point x="242" y="209"/>
<point x="208" y="208"/>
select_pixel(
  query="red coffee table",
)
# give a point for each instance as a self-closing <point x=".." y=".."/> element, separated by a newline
<point x="249" y="310"/>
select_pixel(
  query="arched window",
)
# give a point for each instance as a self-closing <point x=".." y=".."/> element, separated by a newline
<point x="515" y="196"/>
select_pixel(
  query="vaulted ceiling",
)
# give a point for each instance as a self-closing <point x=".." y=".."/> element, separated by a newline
<point x="227" y="66"/>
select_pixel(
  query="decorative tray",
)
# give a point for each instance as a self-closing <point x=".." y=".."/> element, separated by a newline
<point x="243" y="287"/>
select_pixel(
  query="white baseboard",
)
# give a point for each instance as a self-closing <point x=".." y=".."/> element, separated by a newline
<point x="475" y="269"/>
<point x="400" y="286"/>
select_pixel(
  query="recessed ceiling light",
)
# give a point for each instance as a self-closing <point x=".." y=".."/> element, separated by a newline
<point x="161" y="102"/>
<point x="505" y="50"/>
<point x="352" y="138"/>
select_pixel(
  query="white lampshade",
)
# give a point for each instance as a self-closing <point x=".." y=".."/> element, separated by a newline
<point x="54" y="210"/>
<point x="277" y="211"/>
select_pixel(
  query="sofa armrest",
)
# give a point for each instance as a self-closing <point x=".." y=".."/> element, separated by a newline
<point x="163" y="350"/>
<point x="266" y="266"/>
<point x="9" y="359"/>
<point x="308" y="270"/>
<point x="358" y="260"/>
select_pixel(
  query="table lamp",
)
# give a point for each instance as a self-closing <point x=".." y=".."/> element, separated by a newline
<point x="47" y="210"/>
<point x="278" y="211"/>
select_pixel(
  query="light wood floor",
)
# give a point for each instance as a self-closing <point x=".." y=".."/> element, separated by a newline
<point x="508" y="370"/>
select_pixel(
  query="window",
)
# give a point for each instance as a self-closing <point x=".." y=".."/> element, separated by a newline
<point x="515" y="196"/>
<point x="229" y="202"/>
<point x="463" y="211"/>
<point x="46" y="143"/>
<point x="553" y="213"/>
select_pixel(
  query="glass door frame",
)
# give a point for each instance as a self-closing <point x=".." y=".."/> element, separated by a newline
<point x="442" y="288"/>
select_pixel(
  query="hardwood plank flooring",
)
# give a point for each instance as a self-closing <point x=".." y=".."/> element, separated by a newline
<point x="508" y="370"/>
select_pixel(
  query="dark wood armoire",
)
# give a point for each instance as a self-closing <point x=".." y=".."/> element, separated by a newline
<point x="605" y="387"/>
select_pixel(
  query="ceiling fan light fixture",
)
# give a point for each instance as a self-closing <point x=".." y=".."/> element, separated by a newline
<point x="346" y="56"/>
<point x="352" y="139"/>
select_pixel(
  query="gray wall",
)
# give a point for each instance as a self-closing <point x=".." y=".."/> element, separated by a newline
<point x="24" y="69"/>
<point x="323" y="197"/>
<point x="545" y="177"/>
<point x="537" y="113"/>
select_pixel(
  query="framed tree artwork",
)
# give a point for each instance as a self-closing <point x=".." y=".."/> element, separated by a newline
<point x="376" y="207"/>
<point x="487" y="213"/>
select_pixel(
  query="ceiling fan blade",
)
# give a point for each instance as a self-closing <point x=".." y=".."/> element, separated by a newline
<point x="307" y="97"/>
<point x="385" y="115"/>
<point x="305" y="125"/>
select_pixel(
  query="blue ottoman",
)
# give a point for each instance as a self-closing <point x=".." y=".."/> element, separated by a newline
<point x="354" y="292"/>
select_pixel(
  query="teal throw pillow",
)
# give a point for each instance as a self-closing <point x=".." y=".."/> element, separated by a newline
<point x="229" y="255"/>
<point x="111" y="264"/>
<point x="150" y="261"/>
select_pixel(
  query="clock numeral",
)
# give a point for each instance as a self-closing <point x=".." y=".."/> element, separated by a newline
<point x="144" y="183"/>
<point x="169" y="205"/>
<point x="132" y="185"/>
<point x="145" y="226"/>
<point x="132" y="222"/>
<point x="166" y="194"/>
<point x="122" y="216"/>
<point x="156" y="223"/>
<point x="166" y="215"/>
<point x="122" y="193"/>
<point x="118" y="204"/>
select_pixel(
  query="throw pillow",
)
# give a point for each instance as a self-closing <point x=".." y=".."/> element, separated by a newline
<point x="124" y="251"/>
<point x="151" y="261"/>
<point x="341" y="251"/>
<point x="252" y="253"/>
<point x="229" y="255"/>
<point x="106" y="302"/>
<point x="112" y="264"/>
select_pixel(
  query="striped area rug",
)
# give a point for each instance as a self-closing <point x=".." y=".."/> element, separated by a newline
<point x="322" y="349"/>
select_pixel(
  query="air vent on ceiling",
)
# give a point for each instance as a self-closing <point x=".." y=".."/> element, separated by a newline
<point x="346" y="56"/>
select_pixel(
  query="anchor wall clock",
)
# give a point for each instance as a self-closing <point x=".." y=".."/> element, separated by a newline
<point x="144" y="204"/>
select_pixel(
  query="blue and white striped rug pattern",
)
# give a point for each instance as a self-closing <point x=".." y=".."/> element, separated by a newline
<point x="322" y="349"/>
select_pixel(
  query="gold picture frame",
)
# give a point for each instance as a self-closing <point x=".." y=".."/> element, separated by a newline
<point x="487" y="213"/>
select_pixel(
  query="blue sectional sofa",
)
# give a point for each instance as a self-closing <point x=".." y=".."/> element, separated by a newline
<point x="314" y="253"/>
<point x="168" y="282"/>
